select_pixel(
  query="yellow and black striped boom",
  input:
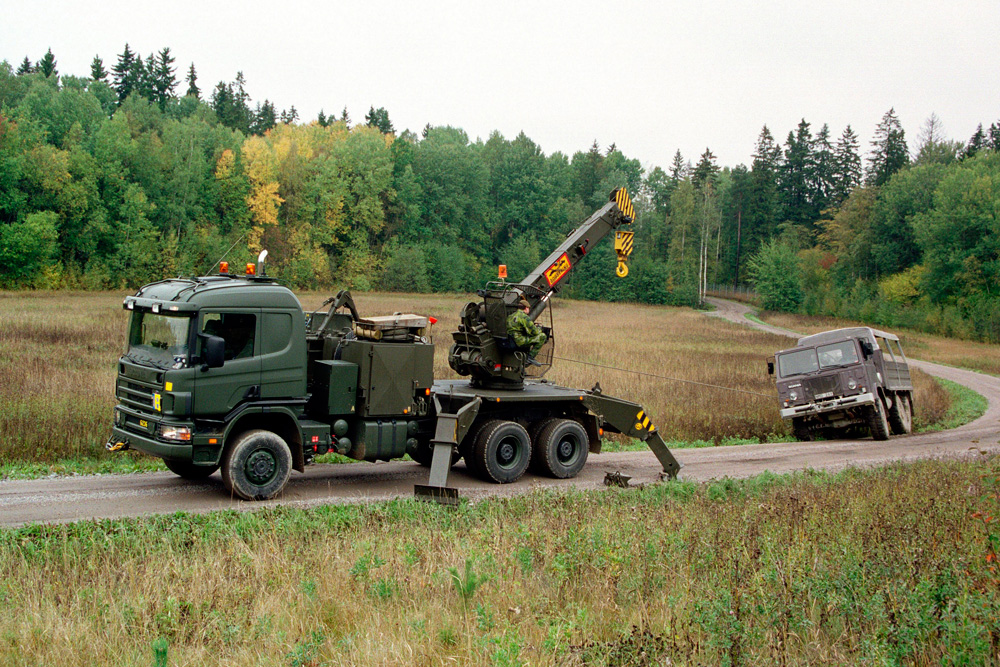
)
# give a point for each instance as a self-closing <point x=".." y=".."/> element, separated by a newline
<point x="548" y="275"/>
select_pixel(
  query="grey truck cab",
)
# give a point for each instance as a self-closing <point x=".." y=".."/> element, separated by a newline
<point x="837" y="380"/>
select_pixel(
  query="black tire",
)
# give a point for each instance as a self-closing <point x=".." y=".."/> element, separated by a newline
<point x="901" y="415"/>
<point x="561" y="449"/>
<point x="534" y="431"/>
<point x="501" y="452"/>
<point x="800" y="430"/>
<point x="878" y="424"/>
<point x="256" y="465"/>
<point x="188" y="470"/>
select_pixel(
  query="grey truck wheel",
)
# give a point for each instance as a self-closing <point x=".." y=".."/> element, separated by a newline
<point x="561" y="449"/>
<point x="901" y="415"/>
<point x="188" y="470"/>
<point x="501" y="452"/>
<point x="800" y="430"/>
<point x="256" y="465"/>
<point x="878" y="424"/>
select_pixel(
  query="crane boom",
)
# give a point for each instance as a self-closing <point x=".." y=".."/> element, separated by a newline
<point x="547" y="276"/>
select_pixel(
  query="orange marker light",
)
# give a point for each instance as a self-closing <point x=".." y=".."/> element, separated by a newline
<point x="251" y="269"/>
<point x="213" y="441"/>
<point x="502" y="273"/>
<point x="223" y="267"/>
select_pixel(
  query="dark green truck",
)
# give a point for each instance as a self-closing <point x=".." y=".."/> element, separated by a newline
<point x="228" y="371"/>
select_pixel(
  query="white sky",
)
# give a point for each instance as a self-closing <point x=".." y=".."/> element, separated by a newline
<point x="652" y="77"/>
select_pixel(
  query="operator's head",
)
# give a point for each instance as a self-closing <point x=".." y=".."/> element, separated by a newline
<point x="524" y="305"/>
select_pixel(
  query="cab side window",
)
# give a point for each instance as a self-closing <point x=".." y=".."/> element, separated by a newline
<point x="237" y="329"/>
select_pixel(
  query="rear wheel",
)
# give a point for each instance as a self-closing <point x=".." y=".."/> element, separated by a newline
<point x="535" y="431"/>
<point x="561" y="449"/>
<point x="501" y="452"/>
<point x="188" y="470"/>
<point x="878" y="424"/>
<point x="901" y="415"/>
<point x="256" y="465"/>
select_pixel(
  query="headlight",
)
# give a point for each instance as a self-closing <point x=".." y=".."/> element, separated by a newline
<point x="794" y="395"/>
<point x="182" y="433"/>
<point x="852" y="384"/>
<point x="118" y="417"/>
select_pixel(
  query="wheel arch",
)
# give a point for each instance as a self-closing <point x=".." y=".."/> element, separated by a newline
<point x="278" y="420"/>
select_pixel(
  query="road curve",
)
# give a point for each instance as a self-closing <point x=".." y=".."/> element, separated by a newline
<point x="115" y="496"/>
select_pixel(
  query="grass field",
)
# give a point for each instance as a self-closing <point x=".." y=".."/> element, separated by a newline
<point x="58" y="354"/>
<point x="888" y="567"/>
<point x="951" y="351"/>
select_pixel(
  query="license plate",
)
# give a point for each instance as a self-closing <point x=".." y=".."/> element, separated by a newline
<point x="143" y="423"/>
<point x="820" y="397"/>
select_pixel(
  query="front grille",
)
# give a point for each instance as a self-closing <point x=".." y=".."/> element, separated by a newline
<point x="827" y="384"/>
<point x="135" y="394"/>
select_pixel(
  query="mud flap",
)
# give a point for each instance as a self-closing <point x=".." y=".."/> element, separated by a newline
<point x="631" y="419"/>
<point x="449" y="431"/>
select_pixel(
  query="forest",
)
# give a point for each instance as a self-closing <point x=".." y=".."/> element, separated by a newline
<point x="132" y="174"/>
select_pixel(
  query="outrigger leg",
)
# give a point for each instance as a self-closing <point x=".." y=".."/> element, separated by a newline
<point x="449" y="431"/>
<point x="631" y="419"/>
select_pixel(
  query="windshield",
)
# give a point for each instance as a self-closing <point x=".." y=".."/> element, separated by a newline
<point x="159" y="340"/>
<point x="838" y="354"/>
<point x="797" y="363"/>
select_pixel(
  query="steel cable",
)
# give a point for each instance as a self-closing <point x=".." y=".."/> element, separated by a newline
<point x="664" y="377"/>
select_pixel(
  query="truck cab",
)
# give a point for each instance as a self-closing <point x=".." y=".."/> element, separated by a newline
<point x="833" y="381"/>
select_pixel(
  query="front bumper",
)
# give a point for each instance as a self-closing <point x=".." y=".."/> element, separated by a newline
<point x="165" y="450"/>
<point x="832" y="405"/>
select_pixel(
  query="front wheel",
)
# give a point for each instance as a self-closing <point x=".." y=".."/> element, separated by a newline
<point x="256" y="465"/>
<point x="501" y="452"/>
<point x="878" y="424"/>
<point x="188" y="470"/>
<point x="561" y="449"/>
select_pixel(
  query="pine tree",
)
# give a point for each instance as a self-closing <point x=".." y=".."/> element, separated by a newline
<point x="889" y="152"/>
<point x="976" y="143"/>
<point x="192" y="81"/>
<point x="795" y="176"/>
<point x="47" y="65"/>
<point x="145" y="77"/>
<point x="706" y="171"/>
<point x="123" y="74"/>
<point x="97" y="71"/>
<point x="346" y="119"/>
<point x="264" y="118"/>
<point x="289" y="116"/>
<point x="163" y="79"/>
<point x="847" y="166"/>
<point x="995" y="137"/>
<point x="26" y="67"/>
<point x="379" y="118"/>
<point x="678" y="169"/>
<point x="824" y="170"/>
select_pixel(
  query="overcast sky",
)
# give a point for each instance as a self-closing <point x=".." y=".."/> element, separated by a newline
<point x="651" y="77"/>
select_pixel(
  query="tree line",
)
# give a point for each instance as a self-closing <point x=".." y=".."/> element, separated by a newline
<point x="126" y="176"/>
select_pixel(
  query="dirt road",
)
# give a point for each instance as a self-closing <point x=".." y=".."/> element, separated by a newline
<point x="111" y="496"/>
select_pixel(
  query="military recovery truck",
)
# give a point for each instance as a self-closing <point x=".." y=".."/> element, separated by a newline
<point x="836" y="381"/>
<point x="227" y="371"/>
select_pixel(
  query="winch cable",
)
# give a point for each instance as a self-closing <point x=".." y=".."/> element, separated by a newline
<point x="664" y="377"/>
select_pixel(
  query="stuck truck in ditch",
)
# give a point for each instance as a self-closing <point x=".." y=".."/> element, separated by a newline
<point x="228" y="372"/>
<point x="836" y="381"/>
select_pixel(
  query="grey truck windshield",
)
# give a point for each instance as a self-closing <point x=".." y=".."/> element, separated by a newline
<point x="158" y="340"/>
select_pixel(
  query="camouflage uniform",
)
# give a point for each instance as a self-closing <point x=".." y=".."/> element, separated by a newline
<point x="525" y="333"/>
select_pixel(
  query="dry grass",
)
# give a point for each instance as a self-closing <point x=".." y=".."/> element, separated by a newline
<point x="952" y="351"/>
<point x="880" y="567"/>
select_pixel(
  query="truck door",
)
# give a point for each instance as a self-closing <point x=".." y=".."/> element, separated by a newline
<point x="219" y="390"/>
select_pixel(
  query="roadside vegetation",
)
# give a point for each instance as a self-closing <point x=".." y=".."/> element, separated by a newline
<point x="889" y="566"/>
<point x="58" y="352"/>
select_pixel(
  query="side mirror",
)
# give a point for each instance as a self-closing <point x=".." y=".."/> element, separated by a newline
<point x="213" y="352"/>
<point x="770" y="368"/>
<point x="867" y="349"/>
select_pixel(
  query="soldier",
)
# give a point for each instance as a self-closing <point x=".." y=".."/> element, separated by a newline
<point x="523" y="331"/>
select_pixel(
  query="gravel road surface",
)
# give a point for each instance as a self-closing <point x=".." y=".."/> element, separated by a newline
<point x="111" y="496"/>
